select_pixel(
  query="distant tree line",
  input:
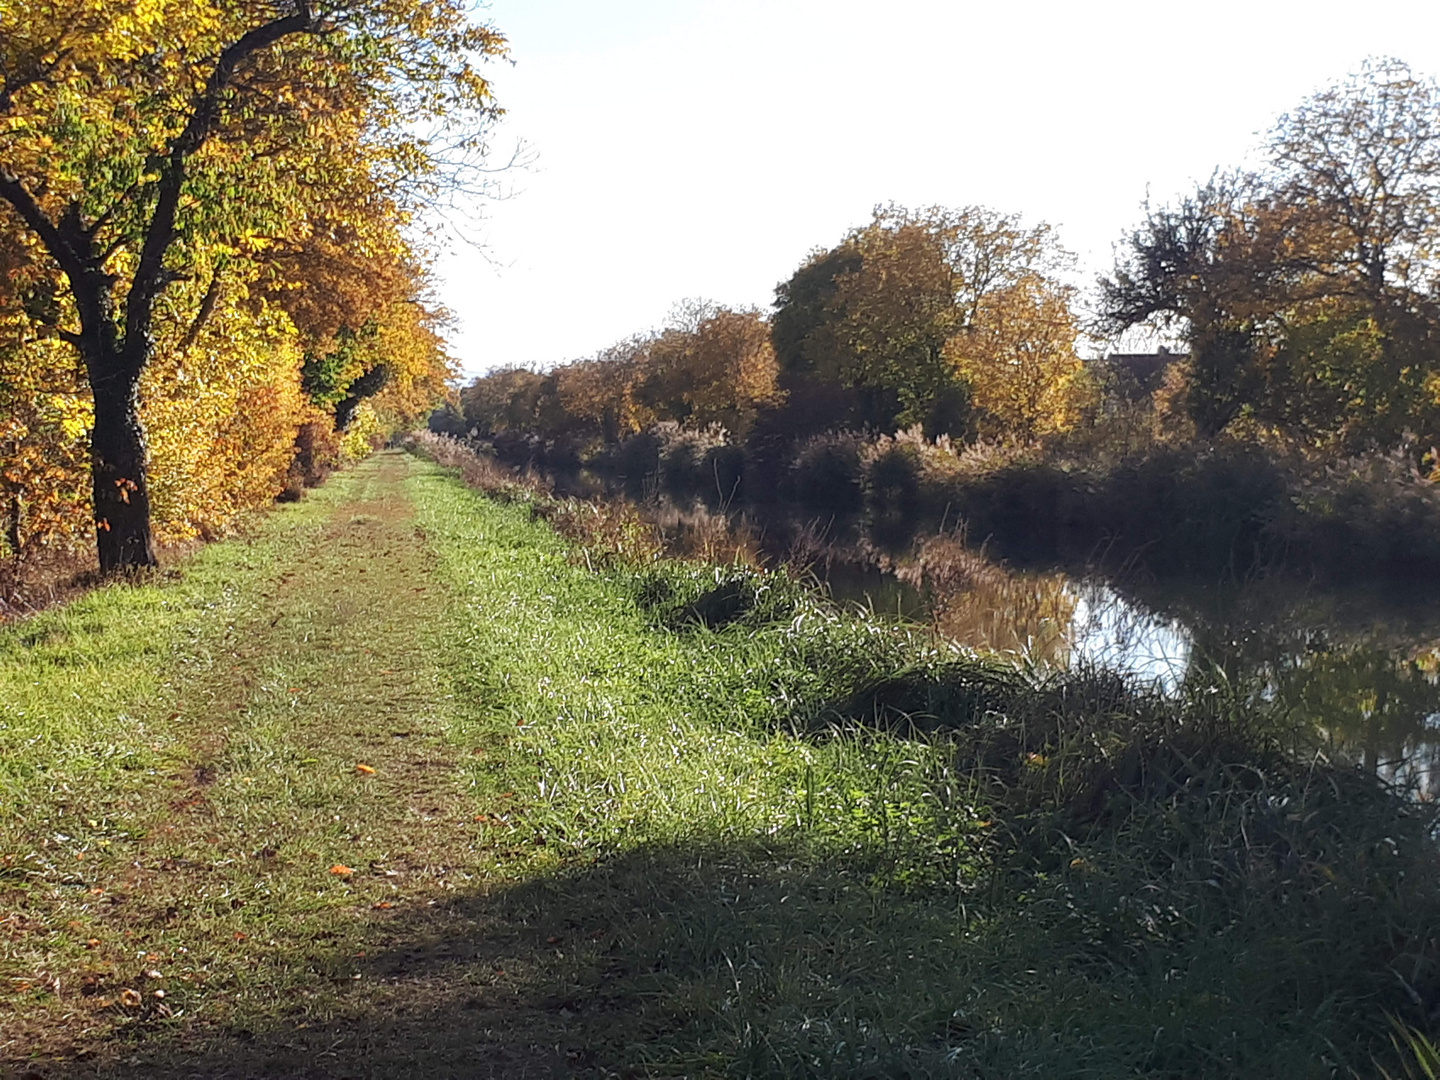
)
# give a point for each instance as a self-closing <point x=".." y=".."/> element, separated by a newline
<point x="1305" y="291"/>
<point x="957" y="321"/>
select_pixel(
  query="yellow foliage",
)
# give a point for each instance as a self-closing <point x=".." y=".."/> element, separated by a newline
<point x="719" y="370"/>
<point x="269" y="197"/>
<point x="409" y="343"/>
<point x="1018" y="357"/>
<point x="601" y="391"/>
<point x="358" y="440"/>
<point x="222" y="417"/>
<point x="44" y="424"/>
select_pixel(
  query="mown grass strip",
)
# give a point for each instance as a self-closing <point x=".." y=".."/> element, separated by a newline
<point x="267" y="886"/>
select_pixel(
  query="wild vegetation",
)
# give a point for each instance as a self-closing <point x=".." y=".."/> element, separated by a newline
<point x="662" y="817"/>
<point x="923" y="373"/>
<point x="413" y="780"/>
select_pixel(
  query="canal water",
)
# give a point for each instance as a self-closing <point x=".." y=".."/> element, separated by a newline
<point x="1361" y="668"/>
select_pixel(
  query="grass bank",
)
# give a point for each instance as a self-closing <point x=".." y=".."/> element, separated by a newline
<point x="625" y="816"/>
<point x="833" y="848"/>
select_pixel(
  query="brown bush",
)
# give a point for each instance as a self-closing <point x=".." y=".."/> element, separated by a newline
<point x="317" y="455"/>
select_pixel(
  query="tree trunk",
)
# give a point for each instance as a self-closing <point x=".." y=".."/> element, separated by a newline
<point x="119" y="464"/>
<point x="115" y="356"/>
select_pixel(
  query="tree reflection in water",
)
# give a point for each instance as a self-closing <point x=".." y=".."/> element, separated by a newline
<point x="1357" y="673"/>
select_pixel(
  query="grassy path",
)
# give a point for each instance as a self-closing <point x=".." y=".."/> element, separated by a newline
<point x="404" y="784"/>
<point x="275" y="857"/>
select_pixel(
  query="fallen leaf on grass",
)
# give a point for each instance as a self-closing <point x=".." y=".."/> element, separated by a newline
<point x="365" y="770"/>
<point x="130" y="998"/>
<point x="340" y="870"/>
<point x="382" y="905"/>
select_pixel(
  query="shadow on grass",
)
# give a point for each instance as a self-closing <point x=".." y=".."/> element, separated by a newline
<point x="666" y="961"/>
<point x="760" y="960"/>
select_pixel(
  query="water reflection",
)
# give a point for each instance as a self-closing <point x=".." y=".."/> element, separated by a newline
<point x="1108" y="631"/>
<point x="1362" y="671"/>
<point x="1049" y="619"/>
<point x="1358" y="670"/>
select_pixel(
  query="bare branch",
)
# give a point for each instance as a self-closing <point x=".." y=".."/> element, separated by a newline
<point x="14" y="191"/>
<point x="207" y="308"/>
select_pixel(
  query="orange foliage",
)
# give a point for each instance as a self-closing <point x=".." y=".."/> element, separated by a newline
<point x="714" y="366"/>
<point x="721" y="370"/>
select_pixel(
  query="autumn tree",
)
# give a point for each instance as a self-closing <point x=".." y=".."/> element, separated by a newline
<point x="1306" y="289"/>
<point x="732" y="370"/>
<point x="872" y="316"/>
<point x="908" y="310"/>
<point x="506" y="399"/>
<point x="1017" y="356"/>
<point x="151" y="149"/>
<point x="357" y="293"/>
<point x="597" y="396"/>
<point x="711" y="365"/>
<point x="418" y="365"/>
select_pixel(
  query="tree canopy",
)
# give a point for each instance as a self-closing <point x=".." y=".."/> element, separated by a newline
<point x="929" y="314"/>
<point x="197" y="196"/>
<point x="1306" y="289"/>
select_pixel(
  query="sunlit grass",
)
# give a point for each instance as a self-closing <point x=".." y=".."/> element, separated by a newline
<point x="852" y="852"/>
<point x="658" y="818"/>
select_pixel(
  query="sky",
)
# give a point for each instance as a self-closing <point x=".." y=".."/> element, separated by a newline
<point x="700" y="148"/>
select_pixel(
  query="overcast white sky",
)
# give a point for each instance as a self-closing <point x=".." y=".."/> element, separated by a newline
<point x="701" y="148"/>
